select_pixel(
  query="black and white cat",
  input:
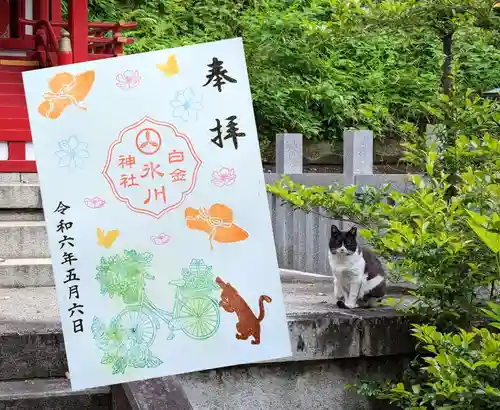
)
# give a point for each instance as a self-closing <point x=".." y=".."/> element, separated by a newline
<point x="358" y="274"/>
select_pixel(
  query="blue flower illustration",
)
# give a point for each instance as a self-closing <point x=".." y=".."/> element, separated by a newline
<point x="72" y="153"/>
<point x="185" y="105"/>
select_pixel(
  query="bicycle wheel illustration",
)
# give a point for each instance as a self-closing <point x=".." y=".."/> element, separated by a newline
<point x="138" y="326"/>
<point x="200" y="317"/>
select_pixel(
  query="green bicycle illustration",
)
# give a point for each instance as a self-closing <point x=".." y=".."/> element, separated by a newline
<point x="129" y="336"/>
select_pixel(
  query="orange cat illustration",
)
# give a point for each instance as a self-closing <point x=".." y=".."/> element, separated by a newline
<point x="248" y="324"/>
<point x="66" y="89"/>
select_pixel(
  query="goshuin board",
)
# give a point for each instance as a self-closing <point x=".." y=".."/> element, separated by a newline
<point x="157" y="216"/>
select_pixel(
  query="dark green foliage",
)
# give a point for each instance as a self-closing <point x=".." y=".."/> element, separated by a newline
<point x="318" y="66"/>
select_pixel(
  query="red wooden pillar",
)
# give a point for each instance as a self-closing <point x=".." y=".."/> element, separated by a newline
<point x="78" y="29"/>
<point x="55" y="11"/>
<point x="41" y="10"/>
<point x="56" y="14"/>
<point x="4" y="19"/>
<point x="18" y="11"/>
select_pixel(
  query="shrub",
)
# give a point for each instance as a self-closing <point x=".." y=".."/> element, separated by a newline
<point x="459" y="371"/>
<point x="428" y="234"/>
<point x="444" y="236"/>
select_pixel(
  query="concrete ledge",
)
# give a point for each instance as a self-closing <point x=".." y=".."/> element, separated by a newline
<point x="319" y="330"/>
<point x="31" y="342"/>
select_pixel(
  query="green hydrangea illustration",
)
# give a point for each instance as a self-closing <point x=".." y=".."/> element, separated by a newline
<point x="126" y="341"/>
<point x="125" y="276"/>
<point x="121" y="348"/>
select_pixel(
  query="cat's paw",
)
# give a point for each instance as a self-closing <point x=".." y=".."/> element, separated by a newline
<point x="351" y="305"/>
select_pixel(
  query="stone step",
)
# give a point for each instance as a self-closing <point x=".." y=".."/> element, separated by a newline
<point x="23" y="239"/>
<point x="31" y="341"/>
<point x="21" y="215"/>
<point x="20" y="196"/>
<point x="51" y="394"/>
<point x="32" y="344"/>
<point x="21" y="273"/>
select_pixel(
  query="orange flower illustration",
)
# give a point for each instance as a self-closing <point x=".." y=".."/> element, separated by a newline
<point x="217" y="221"/>
<point x="66" y="89"/>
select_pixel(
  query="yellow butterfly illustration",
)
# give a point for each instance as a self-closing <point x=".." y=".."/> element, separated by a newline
<point x="107" y="239"/>
<point x="171" y="68"/>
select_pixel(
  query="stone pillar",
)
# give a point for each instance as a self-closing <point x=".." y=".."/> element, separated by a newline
<point x="358" y="159"/>
<point x="289" y="154"/>
<point x="358" y="153"/>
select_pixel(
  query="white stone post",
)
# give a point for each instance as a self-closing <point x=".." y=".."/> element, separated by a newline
<point x="289" y="154"/>
<point x="358" y="154"/>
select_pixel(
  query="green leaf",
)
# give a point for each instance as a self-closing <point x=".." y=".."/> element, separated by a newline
<point x="490" y="239"/>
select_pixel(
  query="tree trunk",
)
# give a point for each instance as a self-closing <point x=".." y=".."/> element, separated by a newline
<point x="446" y="79"/>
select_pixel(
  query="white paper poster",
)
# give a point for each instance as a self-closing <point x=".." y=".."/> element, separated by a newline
<point x="157" y="214"/>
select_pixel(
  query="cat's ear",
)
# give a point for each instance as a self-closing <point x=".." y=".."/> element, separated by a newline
<point x="353" y="231"/>
<point x="335" y="230"/>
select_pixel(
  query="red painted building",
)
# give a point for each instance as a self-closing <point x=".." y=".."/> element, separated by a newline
<point x="34" y="35"/>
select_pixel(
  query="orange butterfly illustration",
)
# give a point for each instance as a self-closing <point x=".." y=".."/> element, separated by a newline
<point x="217" y="221"/>
<point x="66" y="89"/>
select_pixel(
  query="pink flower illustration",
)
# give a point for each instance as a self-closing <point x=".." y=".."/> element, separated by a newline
<point x="160" y="239"/>
<point x="128" y="79"/>
<point x="94" y="202"/>
<point x="223" y="177"/>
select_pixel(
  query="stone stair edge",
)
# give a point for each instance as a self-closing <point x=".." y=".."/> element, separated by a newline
<point x="43" y="388"/>
<point x="25" y="261"/>
<point x="21" y="224"/>
<point x="19" y="195"/>
<point x="26" y="272"/>
<point x="52" y="393"/>
<point x="318" y="331"/>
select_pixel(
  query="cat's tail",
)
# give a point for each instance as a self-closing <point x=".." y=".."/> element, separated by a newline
<point x="220" y="282"/>
<point x="261" y="306"/>
<point x="371" y="284"/>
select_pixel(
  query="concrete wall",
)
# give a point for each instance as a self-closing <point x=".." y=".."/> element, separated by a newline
<point x="301" y="385"/>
